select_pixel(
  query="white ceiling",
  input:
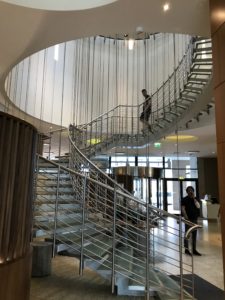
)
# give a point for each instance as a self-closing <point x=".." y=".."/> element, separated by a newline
<point x="60" y="5"/>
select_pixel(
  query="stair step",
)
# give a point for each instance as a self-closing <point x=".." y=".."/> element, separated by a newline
<point x="172" y="290"/>
<point x="41" y="230"/>
<point x="53" y="183"/>
<point x="198" y="80"/>
<point x="188" y="99"/>
<point x="70" y="238"/>
<point x="203" y="40"/>
<point x="52" y="191"/>
<point x="50" y="176"/>
<point x="199" y="74"/>
<point x="123" y="261"/>
<point x="64" y="198"/>
<point x="158" y="124"/>
<point x="98" y="247"/>
<point x="187" y="95"/>
<point x="201" y="71"/>
<point x="173" y="113"/>
<point x="182" y="106"/>
<point x="192" y="89"/>
<point x="203" y="60"/>
<point x="205" y="49"/>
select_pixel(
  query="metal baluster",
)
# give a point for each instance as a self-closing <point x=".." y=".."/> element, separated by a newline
<point x="101" y="130"/>
<point x="181" y="257"/>
<point x="81" y="267"/>
<point x="35" y="191"/>
<point x="107" y="127"/>
<point x="114" y="240"/>
<point x="56" y="212"/>
<point x="147" y="252"/>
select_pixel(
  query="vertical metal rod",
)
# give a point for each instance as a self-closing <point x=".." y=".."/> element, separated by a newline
<point x="35" y="191"/>
<point x="81" y="267"/>
<point x="56" y="212"/>
<point x="147" y="252"/>
<point x="105" y="200"/>
<point x="114" y="241"/>
<point x="174" y="60"/>
<point x="153" y="246"/>
<point x="101" y="137"/>
<point x="138" y="119"/>
<point x="107" y="126"/>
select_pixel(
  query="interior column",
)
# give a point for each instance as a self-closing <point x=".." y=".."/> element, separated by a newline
<point x="217" y="14"/>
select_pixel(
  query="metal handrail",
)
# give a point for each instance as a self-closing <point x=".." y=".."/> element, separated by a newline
<point x="189" y="48"/>
<point x="92" y="237"/>
<point x="106" y="225"/>
<point x="113" y="125"/>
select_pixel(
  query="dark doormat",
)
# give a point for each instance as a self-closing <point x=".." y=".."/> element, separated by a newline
<point x="204" y="290"/>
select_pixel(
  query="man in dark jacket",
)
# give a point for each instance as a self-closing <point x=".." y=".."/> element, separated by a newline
<point x="190" y="208"/>
<point x="147" y="109"/>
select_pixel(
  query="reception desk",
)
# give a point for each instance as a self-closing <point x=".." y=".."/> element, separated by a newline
<point x="209" y="210"/>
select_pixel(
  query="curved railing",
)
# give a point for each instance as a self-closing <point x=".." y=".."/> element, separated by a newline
<point x="121" y="125"/>
<point x="121" y="237"/>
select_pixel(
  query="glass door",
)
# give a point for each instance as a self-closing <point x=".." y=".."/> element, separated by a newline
<point x="175" y="190"/>
<point x="172" y="196"/>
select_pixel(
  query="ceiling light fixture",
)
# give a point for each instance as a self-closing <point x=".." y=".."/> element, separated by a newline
<point x="180" y="138"/>
<point x="166" y="7"/>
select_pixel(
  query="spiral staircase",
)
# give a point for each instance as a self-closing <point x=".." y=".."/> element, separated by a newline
<point x="181" y="102"/>
<point x="87" y="215"/>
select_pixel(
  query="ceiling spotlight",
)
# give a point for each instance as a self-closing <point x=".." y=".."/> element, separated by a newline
<point x="166" y="6"/>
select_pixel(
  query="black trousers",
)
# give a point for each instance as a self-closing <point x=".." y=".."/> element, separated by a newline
<point x="193" y="236"/>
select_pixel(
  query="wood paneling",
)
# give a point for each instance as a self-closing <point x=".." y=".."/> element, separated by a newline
<point x="217" y="13"/>
<point x="15" y="279"/>
<point x="17" y="154"/>
<point x="218" y="47"/>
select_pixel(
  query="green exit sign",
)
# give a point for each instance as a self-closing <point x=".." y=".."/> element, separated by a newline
<point x="157" y="145"/>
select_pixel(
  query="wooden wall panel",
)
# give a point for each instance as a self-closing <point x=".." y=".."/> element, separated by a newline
<point x="217" y="14"/>
<point x="17" y="156"/>
<point x="15" y="279"/>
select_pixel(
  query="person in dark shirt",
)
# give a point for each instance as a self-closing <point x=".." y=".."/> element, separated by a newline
<point x="190" y="208"/>
<point x="147" y="109"/>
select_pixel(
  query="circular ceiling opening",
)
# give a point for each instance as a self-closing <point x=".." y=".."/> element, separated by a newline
<point x="61" y="5"/>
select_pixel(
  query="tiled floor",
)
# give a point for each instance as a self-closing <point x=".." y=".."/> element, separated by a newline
<point x="65" y="282"/>
<point x="210" y="266"/>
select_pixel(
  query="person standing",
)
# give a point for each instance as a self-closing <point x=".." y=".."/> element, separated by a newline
<point x="190" y="208"/>
<point x="147" y="109"/>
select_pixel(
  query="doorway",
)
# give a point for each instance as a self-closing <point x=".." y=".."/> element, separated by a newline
<point x="175" y="190"/>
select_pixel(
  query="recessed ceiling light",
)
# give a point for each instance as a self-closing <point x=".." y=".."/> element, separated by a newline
<point x="166" y="6"/>
<point x="180" y="138"/>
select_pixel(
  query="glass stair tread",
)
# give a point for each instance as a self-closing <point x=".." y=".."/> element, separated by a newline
<point x="123" y="260"/>
<point x="171" y="287"/>
<point x="139" y="275"/>
<point x="98" y="246"/>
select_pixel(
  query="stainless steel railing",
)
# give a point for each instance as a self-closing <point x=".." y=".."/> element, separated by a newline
<point x="121" y="125"/>
<point x="110" y="230"/>
<point x="84" y="211"/>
